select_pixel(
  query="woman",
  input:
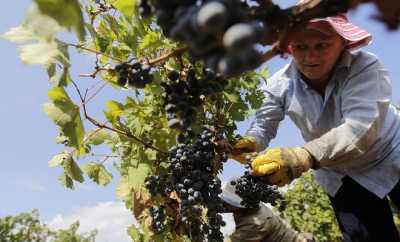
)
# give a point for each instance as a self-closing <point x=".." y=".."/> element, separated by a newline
<point x="341" y="102"/>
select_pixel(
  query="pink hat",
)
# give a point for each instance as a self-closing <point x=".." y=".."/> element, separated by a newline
<point x="356" y="36"/>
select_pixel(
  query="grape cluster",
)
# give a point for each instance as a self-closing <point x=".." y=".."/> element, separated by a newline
<point x="158" y="185"/>
<point x="157" y="215"/>
<point x="201" y="24"/>
<point x="192" y="166"/>
<point x="134" y="74"/>
<point x="191" y="174"/>
<point x="253" y="190"/>
<point x="182" y="95"/>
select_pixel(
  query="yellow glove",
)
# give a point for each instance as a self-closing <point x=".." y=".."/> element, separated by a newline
<point x="280" y="166"/>
<point x="243" y="148"/>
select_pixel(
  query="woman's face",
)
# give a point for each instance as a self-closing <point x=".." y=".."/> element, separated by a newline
<point x="316" y="53"/>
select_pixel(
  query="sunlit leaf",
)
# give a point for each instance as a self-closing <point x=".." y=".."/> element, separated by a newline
<point x="66" y="181"/>
<point x="73" y="170"/>
<point x="66" y="12"/>
<point x="125" y="6"/>
<point x="41" y="53"/>
<point x="59" y="159"/>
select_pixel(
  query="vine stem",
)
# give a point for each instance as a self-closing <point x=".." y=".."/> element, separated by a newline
<point x="93" y="51"/>
<point x="103" y="126"/>
<point x="165" y="57"/>
<point x="94" y="74"/>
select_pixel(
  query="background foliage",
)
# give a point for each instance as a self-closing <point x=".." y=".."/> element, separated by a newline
<point x="26" y="227"/>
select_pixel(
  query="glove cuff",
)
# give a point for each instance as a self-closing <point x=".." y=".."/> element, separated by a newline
<point x="300" y="160"/>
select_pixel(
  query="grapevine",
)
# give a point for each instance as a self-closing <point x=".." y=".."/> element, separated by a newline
<point x="185" y="69"/>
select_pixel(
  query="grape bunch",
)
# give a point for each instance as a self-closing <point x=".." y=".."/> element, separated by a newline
<point x="192" y="167"/>
<point x="182" y="95"/>
<point x="157" y="215"/>
<point x="222" y="33"/>
<point x="134" y="74"/>
<point x="253" y="190"/>
<point x="158" y="185"/>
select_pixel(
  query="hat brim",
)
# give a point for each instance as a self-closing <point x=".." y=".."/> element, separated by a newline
<point x="356" y="37"/>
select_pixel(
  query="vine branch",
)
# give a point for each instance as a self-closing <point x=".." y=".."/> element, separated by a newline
<point x="103" y="126"/>
<point x="165" y="57"/>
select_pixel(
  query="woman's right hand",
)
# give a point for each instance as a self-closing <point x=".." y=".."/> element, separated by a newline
<point x="245" y="147"/>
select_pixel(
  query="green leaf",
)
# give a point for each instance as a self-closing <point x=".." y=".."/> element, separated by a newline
<point x="137" y="175"/>
<point x="43" y="26"/>
<point x="41" y="53"/>
<point x="126" y="7"/>
<point x="97" y="137"/>
<point x="58" y="94"/>
<point x="73" y="170"/>
<point x="114" y="110"/>
<point x="61" y="79"/>
<point x="234" y="98"/>
<point x="66" y="12"/>
<point x="59" y="159"/>
<point x="134" y="233"/>
<point x="66" y="115"/>
<point x="98" y="173"/>
<point x="56" y="114"/>
<point x="66" y="181"/>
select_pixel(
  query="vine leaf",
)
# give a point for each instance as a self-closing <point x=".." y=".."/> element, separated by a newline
<point x="126" y="7"/>
<point x="123" y="189"/>
<point x="98" y="173"/>
<point x="66" y="181"/>
<point x="114" y="111"/>
<point x="138" y="175"/>
<point x="141" y="201"/>
<point x="234" y="98"/>
<point x="66" y="12"/>
<point x="19" y="34"/>
<point x="59" y="159"/>
<point x="61" y="79"/>
<point x="73" y="170"/>
<point x="67" y="116"/>
<point x="97" y="137"/>
<point x="41" y="53"/>
<point x="134" y="180"/>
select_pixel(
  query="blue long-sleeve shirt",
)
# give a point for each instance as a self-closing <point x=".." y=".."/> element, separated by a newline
<point x="352" y="130"/>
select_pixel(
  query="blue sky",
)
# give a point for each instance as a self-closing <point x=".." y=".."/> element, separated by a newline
<point x="28" y="134"/>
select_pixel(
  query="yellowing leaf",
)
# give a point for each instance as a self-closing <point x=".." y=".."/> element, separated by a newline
<point x="123" y="189"/>
<point x="59" y="159"/>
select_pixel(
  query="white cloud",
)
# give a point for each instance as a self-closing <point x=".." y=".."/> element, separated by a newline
<point x="30" y="185"/>
<point x="111" y="220"/>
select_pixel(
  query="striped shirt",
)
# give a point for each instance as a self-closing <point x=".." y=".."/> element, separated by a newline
<point x="354" y="130"/>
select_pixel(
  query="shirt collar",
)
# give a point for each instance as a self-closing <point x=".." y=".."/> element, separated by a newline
<point x="341" y="68"/>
